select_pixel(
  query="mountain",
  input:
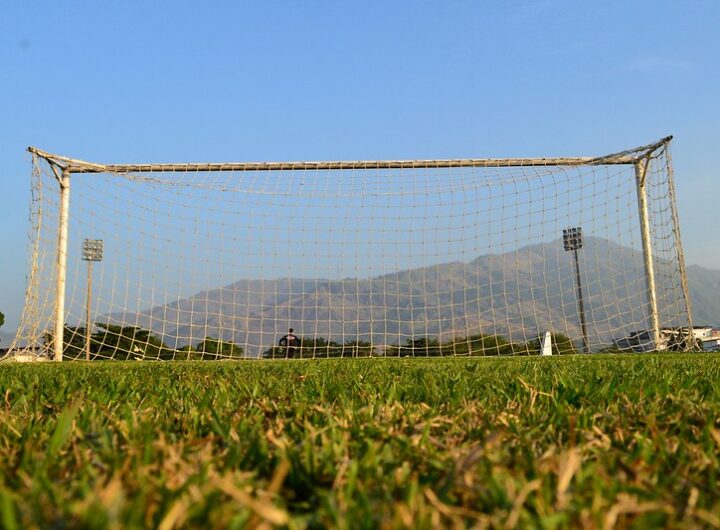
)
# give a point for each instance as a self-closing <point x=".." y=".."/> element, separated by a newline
<point x="523" y="293"/>
<point x="6" y="338"/>
<point x="704" y="287"/>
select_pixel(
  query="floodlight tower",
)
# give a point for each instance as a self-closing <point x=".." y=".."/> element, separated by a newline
<point x="92" y="250"/>
<point x="573" y="241"/>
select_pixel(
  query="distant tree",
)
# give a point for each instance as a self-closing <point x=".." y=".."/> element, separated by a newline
<point x="274" y="352"/>
<point x="422" y="347"/>
<point x="73" y="342"/>
<point x="213" y="349"/>
<point x="395" y="350"/>
<point x="187" y="353"/>
<point x="129" y="342"/>
<point x="480" y="345"/>
<point x="357" y="348"/>
<point x="425" y="347"/>
<point x="562" y="345"/>
<point x="456" y="346"/>
<point x="2" y="319"/>
<point x="321" y="347"/>
<point x="489" y="345"/>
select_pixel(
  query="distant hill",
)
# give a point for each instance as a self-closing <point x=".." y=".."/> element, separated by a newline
<point x="524" y="293"/>
<point x="704" y="287"/>
<point x="6" y="338"/>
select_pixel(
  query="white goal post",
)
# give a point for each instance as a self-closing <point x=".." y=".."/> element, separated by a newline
<point x="359" y="258"/>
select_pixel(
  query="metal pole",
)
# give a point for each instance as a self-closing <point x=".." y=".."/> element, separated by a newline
<point x="641" y="168"/>
<point x="581" y="306"/>
<point x="81" y="166"/>
<point x="678" y="239"/>
<point x="88" y="310"/>
<point x="59" y="338"/>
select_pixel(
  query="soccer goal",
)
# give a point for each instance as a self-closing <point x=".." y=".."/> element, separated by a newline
<point x="359" y="258"/>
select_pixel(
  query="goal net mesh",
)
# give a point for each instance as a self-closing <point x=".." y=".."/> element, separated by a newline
<point x="211" y="262"/>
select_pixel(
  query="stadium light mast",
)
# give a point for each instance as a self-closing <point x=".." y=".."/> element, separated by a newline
<point x="92" y="250"/>
<point x="573" y="241"/>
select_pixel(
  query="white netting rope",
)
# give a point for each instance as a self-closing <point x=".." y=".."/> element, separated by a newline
<point x="366" y="260"/>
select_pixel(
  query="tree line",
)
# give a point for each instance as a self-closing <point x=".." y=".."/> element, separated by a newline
<point x="131" y="342"/>
<point x="475" y="345"/>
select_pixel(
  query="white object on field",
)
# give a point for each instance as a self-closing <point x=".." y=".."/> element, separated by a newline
<point x="546" y="344"/>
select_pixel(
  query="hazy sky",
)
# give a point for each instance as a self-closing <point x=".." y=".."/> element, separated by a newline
<point x="230" y="81"/>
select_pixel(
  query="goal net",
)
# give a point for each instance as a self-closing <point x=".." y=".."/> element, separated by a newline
<point x="381" y="258"/>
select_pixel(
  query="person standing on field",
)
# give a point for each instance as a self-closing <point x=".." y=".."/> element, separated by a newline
<point x="290" y="342"/>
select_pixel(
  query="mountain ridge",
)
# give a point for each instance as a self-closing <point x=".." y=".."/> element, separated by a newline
<point x="517" y="294"/>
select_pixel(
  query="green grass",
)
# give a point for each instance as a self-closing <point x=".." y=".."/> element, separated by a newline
<point x="583" y="441"/>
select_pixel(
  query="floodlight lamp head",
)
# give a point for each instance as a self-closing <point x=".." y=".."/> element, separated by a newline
<point x="572" y="238"/>
<point x="92" y="250"/>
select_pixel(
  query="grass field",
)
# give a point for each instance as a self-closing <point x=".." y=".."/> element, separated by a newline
<point x="575" y="442"/>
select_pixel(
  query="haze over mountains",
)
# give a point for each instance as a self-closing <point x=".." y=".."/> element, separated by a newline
<point x="6" y="338"/>
<point x="705" y="295"/>
<point x="518" y="295"/>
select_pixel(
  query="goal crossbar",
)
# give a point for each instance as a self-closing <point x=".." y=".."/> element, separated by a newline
<point x="72" y="165"/>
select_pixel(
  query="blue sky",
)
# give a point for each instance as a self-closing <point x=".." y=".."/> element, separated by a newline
<point x="180" y="81"/>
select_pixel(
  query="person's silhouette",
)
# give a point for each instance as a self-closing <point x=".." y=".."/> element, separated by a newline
<point x="290" y="342"/>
